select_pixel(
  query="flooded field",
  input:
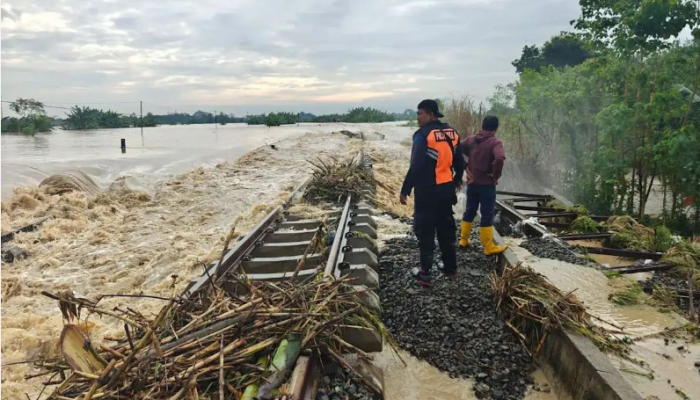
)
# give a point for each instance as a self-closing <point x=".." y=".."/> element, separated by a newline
<point x="159" y="154"/>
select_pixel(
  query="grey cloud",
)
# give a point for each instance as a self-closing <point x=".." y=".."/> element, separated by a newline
<point x="328" y="47"/>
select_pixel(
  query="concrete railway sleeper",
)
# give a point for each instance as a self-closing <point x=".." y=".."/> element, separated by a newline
<point x="274" y="249"/>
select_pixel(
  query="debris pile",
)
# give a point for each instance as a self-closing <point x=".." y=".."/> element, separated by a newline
<point x="215" y="345"/>
<point x="333" y="179"/>
<point x="533" y="307"/>
<point x="630" y="235"/>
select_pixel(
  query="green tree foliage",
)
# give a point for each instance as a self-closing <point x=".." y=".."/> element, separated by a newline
<point x="360" y="115"/>
<point x="563" y="50"/>
<point x="623" y="123"/>
<point x="32" y="118"/>
<point x="629" y="26"/>
<point x="273" y="119"/>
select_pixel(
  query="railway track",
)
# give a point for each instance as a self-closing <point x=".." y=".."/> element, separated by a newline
<point x="530" y="211"/>
<point x="283" y="245"/>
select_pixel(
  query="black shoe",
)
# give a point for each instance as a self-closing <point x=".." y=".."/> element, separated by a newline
<point x="450" y="273"/>
<point x="421" y="277"/>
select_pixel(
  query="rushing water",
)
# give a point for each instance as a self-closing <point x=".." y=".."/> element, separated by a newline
<point x="160" y="153"/>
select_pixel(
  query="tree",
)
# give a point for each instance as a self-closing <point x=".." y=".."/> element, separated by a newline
<point x="27" y="107"/>
<point x="565" y="49"/>
<point x="629" y="26"/>
<point x="32" y="119"/>
<point x="82" y="118"/>
<point x="149" y="120"/>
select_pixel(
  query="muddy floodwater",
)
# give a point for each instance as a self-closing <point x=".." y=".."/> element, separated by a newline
<point x="161" y="153"/>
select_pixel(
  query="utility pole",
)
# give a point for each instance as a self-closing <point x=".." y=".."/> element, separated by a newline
<point x="214" y="119"/>
<point x="141" y="107"/>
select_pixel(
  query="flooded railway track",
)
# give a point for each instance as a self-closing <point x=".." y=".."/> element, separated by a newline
<point x="281" y="247"/>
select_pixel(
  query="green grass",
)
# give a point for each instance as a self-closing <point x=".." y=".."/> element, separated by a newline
<point x="627" y="297"/>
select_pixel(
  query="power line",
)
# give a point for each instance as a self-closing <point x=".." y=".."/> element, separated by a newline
<point x="45" y="105"/>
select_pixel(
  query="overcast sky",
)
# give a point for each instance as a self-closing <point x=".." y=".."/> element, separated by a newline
<point x="251" y="56"/>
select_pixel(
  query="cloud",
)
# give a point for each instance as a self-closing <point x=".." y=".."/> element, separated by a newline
<point x="314" y="55"/>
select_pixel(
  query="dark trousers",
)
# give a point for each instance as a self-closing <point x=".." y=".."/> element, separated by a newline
<point x="484" y="198"/>
<point x="433" y="213"/>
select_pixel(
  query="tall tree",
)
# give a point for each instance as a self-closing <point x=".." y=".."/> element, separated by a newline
<point x="630" y="26"/>
<point x="563" y="50"/>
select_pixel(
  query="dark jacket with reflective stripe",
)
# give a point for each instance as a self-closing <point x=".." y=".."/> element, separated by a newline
<point x="433" y="162"/>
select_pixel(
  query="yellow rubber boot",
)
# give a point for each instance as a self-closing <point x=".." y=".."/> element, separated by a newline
<point x="464" y="234"/>
<point x="487" y="240"/>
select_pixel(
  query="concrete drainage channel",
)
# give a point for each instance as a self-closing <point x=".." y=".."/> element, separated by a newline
<point x="282" y="244"/>
<point x="578" y="369"/>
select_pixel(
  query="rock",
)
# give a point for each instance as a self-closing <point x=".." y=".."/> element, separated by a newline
<point x="697" y="364"/>
<point x="13" y="253"/>
<point x="322" y="397"/>
<point x="481" y="390"/>
<point x="548" y="248"/>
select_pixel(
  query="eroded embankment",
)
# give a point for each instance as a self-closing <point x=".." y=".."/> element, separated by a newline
<point x="122" y="241"/>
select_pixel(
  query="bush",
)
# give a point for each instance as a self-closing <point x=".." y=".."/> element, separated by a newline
<point x="663" y="239"/>
<point x="28" y="129"/>
<point x="42" y="123"/>
<point x="584" y="224"/>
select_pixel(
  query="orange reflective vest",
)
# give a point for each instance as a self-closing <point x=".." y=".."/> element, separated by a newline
<point x="436" y="158"/>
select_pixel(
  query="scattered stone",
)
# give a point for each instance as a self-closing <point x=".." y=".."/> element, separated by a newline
<point x="553" y="249"/>
<point x="674" y="283"/>
<point x="452" y="325"/>
<point x="697" y="364"/>
<point x="481" y="390"/>
<point x="340" y="385"/>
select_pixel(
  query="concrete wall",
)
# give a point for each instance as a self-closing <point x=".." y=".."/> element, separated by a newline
<point x="573" y="364"/>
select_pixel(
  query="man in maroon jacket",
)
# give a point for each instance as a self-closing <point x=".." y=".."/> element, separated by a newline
<point x="486" y="157"/>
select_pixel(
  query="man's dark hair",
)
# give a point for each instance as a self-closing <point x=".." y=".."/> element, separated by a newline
<point x="430" y="106"/>
<point x="490" y="123"/>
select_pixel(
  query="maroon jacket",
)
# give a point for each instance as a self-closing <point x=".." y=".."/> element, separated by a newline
<point x="486" y="157"/>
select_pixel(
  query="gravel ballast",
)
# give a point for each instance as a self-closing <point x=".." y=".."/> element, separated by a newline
<point x="453" y="325"/>
<point x="552" y="249"/>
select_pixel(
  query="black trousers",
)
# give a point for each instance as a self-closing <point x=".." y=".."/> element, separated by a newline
<point x="433" y="214"/>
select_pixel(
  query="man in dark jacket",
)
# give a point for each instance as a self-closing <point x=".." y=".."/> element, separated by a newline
<point x="486" y="157"/>
<point x="435" y="174"/>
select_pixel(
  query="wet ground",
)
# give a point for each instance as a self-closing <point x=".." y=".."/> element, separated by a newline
<point x="668" y="351"/>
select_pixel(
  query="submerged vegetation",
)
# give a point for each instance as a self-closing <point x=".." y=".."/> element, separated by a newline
<point x="32" y="118"/>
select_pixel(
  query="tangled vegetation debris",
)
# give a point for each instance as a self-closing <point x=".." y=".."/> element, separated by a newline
<point x="584" y="224"/>
<point x="211" y="346"/>
<point x="333" y="178"/>
<point x="533" y="307"/>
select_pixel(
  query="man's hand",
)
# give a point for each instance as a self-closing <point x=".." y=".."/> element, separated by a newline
<point x="403" y="200"/>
